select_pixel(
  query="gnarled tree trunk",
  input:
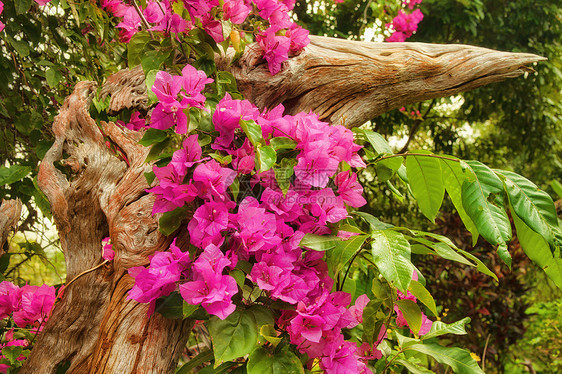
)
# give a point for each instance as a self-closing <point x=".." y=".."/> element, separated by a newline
<point x="95" y="327"/>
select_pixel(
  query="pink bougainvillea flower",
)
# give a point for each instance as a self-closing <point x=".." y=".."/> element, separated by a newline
<point x="299" y="37"/>
<point x="42" y="2"/>
<point x="212" y="180"/>
<point x="107" y="249"/>
<point x="36" y="304"/>
<point x="207" y="224"/>
<point x="349" y="189"/>
<point x="210" y="288"/>
<point x="1" y="10"/>
<point x="275" y="48"/>
<point x="10" y="296"/>
<point x="130" y="25"/>
<point x="236" y="11"/>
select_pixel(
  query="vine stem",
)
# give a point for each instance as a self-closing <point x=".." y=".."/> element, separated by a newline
<point x="85" y="272"/>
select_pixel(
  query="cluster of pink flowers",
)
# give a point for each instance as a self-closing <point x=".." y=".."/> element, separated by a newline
<point x="28" y="305"/>
<point x="135" y="122"/>
<point x="176" y="93"/>
<point x="405" y="24"/>
<point x="263" y="228"/>
<point x="281" y="38"/>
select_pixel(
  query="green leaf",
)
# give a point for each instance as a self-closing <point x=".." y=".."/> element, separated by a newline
<point x="423" y="295"/>
<point x="557" y="187"/>
<point x="426" y="181"/>
<point x="170" y="306"/>
<point x="14" y="173"/>
<point x="263" y="317"/>
<point x="22" y="6"/>
<point x="188" y="309"/>
<point x="377" y="141"/>
<point x="153" y="136"/>
<point x="491" y="220"/>
<point x="412" y="313"/>
<point x="252" y="131"/>
<point x="413" y="368"/>
<point x="12" y="353"/>
<point x="53" y="76"/>
<point x="171" y="221"/>
<point x="343" y="252"/>
<point x="479" y="264"/>
<point x="319" y="242"/>
<point x="371" y="328"/>
<point x="153" y="60"/>
<point x="270" y="334"/>
<point x="373" y="221"/>
<point x="284" y="172"/>
<point x="200" y="359"/>
<point x="386" y="168"/>
<point x="453" y="178"/>
<point x="458" y="359"/>
<point x="261" y="361"/>
<point x="282" y="143"/>
<point x="233" y="337"/>
<point x="150" y="79"/>
<point x="266" y="157"/>
<point x="553" y="269"/>
<point x="439" y="328"/>
<point x="391" y="254"/>
<point x="136" y="48"/>
<point x="532" y="205"/>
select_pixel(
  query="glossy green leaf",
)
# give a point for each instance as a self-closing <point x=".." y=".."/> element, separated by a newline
<point x="284" y="172"/>
<point x="270" y="334"/>
<point x="377" y="141"/>
<point x="426" y="181"/>
<point x="439" y="328"/>
<point x="534" y="245"/>
<point x="53" y="77"/>
<point x="412" y="313"/>
<point x="263" y="316"/>
<point x="371" y="327"/>
<point x="453" y="179"/>
<point x="423" y="295"/>
<point x="171" y="221"/>
<point x="261" y="361"/>
<point x="170" y="306"/>
<point x="458" y="359"/>
<point x="557" y="187"/>
<point x="490" y="219"/>
<point x="12" y="352"/>
<point x="373" y="221"/>
<point x="343" y="252"/>
<point x="391" y="255"/>
<point x="153" y="60"/>
<point x="282" y="143"/>
<point x="319" y="242"/>
<point x="532" y="205"/>
<point x="233" y="337"/>
<point x="153" y="136"/>
<point x="480" y="266"/>
<point x="266" y="157"/>
<point x="252" y="131"/>
<point x="413" y="368"/>
<point x="22" y="6"/>
<point x="135" y="48"/>
<point x="386" y="168"/>
<point x="188" y="309"/>
<point x="553" y="269"/>
<point x="14" y="173"/>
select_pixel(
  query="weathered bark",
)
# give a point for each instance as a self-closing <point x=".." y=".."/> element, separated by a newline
<point x="349" y="82"/>
<point x="94" y="326"/>
<point x="10" y="212"/>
